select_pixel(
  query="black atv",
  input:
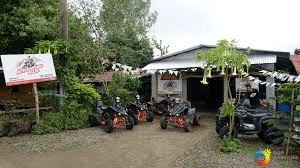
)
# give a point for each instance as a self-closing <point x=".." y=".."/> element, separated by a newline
<point x="160" y="106"/>
<point x="181" y="115"/>
<point x="111" y="117"/>
<point x="139" y="111"/>
<point x="250" y="122"/>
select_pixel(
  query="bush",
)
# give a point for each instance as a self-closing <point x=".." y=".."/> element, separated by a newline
<point x="67" y="119"/>
<point x="124" y="86"/>
<point x="227" y="146"/>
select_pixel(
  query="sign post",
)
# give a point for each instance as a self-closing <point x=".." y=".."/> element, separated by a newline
<point x="28" y="68"/>
<point x="37" y="118"/>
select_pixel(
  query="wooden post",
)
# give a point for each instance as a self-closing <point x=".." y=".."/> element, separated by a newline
<point x="37" y="118"/>
<point x="291" y="125"/>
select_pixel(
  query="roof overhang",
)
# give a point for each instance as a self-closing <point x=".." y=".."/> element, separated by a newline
<point x="184" y="64"/>
<point x="174" y="64"/>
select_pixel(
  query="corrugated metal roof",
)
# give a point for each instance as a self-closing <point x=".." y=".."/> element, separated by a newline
<point x="172" y="64"/>
<point x="262" y="59"/>
<point x="188" y="63"/>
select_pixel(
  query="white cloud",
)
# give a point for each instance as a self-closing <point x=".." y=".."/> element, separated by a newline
<point x="258" y="24"/>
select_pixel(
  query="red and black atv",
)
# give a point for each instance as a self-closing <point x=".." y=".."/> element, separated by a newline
<point x="181" y="115"/>
<point x="117" y="117"/>
<point x="111" y="117"/>
<point x="139" y="111"/>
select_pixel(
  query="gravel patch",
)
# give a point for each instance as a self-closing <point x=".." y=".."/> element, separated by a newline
<point x="206" y="154"/>
<point x="63" y="141"/>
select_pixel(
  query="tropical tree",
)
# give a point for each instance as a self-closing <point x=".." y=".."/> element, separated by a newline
<point x="297" y="51"/>
<point x="229" y="60"/>
<point x="125" y="24"/>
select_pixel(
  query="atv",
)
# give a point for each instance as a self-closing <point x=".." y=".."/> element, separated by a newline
<point x="250" y="122"/>
<point x="111" y="117"/>
<point x="159" y="106"/>
<point x="118" y="117"/>
<point x="139" y="111"/>
<point x="181" y="115"/>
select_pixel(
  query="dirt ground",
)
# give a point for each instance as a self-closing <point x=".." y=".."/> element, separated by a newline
<point x="147" y="145"/>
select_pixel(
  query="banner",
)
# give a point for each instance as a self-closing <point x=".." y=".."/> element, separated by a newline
<point x="173" y="86"/>
<point x="27" y="68"/>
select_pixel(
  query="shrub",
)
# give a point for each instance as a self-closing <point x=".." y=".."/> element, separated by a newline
<point x="67" y="119"/>
<point x="124" y="86"/>
<point x="227" y="146"/>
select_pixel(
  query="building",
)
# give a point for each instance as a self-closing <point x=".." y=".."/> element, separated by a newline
<point x="188" y="86"/>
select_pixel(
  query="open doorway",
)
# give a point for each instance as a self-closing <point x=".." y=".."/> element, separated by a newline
<point x="205" y="97"/>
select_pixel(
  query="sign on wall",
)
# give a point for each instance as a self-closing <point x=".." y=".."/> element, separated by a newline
<point x="27" y="68"/>
<point x="242" y="86"/>
<point x="169" y="84"/>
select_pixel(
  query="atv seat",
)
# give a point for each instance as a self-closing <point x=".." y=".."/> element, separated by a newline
<point x="257" y="115"/>
<point x="257" y="110"/>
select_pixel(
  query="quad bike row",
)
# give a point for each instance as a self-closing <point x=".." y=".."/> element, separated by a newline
<point x="118" y="115"/>
<point x="249" y="122"/>
<point x="175" y="113"/>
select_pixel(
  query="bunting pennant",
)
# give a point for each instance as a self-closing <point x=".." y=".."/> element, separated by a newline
<point x="160" y="71"/>
<point x="176" y="72"/>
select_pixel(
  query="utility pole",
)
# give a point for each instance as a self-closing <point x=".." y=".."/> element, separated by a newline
<point x="63" y="12"/>
<point x="63" y="8"/>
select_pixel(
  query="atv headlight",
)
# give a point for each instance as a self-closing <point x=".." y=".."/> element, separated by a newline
<point x="170" y="113"/>
<point x="297" y="129"/>
<point x="177" y="114"/>
<point x="119" y="114"/>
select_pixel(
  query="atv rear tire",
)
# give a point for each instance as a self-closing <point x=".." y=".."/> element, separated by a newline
<point x="196" y="120"/>
<point x="130" y="122"/>
<point x="150" y="116"/>
<point x="163" y="122"/>
<point x="187" y="125"/>
<point x="92" y="121"/>
<point x="224" y="131"/>
<point x="108" y="127"/>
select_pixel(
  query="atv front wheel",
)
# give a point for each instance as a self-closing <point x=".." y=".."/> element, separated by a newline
<point x="224" y="131"/>
<point x="218" y="126"/>
<point x="273" y="136"/>
<point x="187" y="125"/>
<point x="196" y="120"/>
<point x="108" y="127"/>
<point x="163" y="122"/>
<point x="130" y="122"/>
<point x="150" y="116"/>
